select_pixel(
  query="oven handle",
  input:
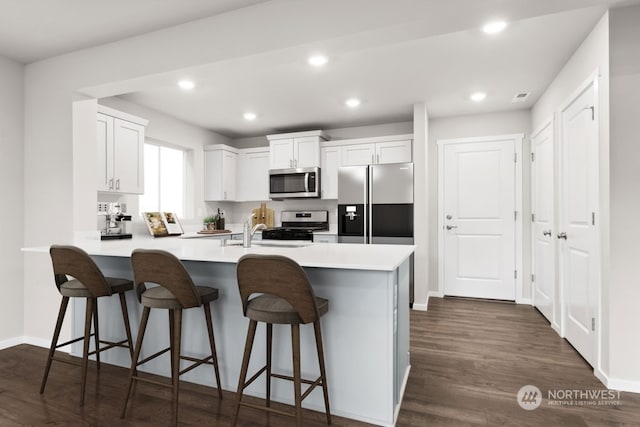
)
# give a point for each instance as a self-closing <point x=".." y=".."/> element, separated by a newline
<point x="306" y="182"/>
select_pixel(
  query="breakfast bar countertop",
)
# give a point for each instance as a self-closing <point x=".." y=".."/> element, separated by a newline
<point x="322" y="255"/>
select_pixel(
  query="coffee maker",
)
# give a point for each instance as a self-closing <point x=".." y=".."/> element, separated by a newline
<point x="113" y="222"/>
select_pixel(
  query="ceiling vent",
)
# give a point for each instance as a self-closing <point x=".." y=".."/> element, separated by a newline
<point x="520" y="97"/>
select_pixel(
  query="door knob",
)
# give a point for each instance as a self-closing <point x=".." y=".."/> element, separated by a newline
<point x="562" y="235"/>
<point x="449" y="227"/>
<point x="546" y="233"/>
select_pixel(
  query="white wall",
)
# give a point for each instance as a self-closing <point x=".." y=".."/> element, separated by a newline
<point x="503" y="123"/>
<point x="422" y="215"/>
<point x="591" y="55"/>
<point x="624" y="290"/>
<point x="11" y="191"/>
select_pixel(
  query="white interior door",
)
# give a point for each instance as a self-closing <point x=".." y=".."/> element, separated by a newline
<point x="542" y="230"/>
<point x="478" y="219"/>
<point x="578" y="231"/>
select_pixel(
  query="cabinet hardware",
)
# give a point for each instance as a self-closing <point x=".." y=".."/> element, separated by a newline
<point x="111" y="184"/>
<point x="533" y="157"/>
<point x="118" y="184"/>
<point x="377" y="158"/>
<point x="546" y="233"/>
<point x="562" y="235"/>
<point x="449" y="227"/>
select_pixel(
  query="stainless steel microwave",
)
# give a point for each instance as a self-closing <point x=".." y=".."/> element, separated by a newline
<point x="294" y="183"/>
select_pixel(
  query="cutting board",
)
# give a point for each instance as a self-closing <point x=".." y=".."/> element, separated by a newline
<point x="263" y="215"/>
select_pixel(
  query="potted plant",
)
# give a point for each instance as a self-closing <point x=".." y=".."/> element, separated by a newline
<point x="210" y="222"/>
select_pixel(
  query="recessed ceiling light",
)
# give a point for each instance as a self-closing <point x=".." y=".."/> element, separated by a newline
<point x="186" y="84"/>
<point x="249" y="116"/>
<point x="494" y="27"/>
<point x="478" y="96"/>
<point x="318" y="60"/>
<point x="352" y="102"/>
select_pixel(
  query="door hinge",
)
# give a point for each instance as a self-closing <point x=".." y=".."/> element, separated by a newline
<point x="533" y="278"/>
<point x="533" y="217"/>
<point x="593" y="323"/>
<point x="533" y="157"/>
<point x="515" y="157"/>
<point x="515" y="274"/>
<point x="593" y="218"/>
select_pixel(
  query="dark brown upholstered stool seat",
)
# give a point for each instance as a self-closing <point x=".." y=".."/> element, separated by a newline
<point x="286" y="298"/>
<point x="175" y="291"/>
<point x="87" y="282"/>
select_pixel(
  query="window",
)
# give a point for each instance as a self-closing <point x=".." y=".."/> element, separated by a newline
<point x="163" y="180"/>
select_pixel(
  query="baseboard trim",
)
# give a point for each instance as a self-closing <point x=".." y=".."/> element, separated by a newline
<point x="526" y="301"/>
<point x="38" y="342"/>
<point x="617" y="383"/>
<point x="11" y="342"/>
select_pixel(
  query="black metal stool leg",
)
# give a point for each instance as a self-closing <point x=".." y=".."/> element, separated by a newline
<point x="175" y="373"/>
<point x="96" y="331"/>
<point x="323" y="373"/>
<point x="251" y="333"/>
<point x="269" y="352"/>
<point x="212" y="344"/>
<point x="136" y="355"/>
<point x="85" y="352"/>
<point x="54" y="341"/>
<point x="127" y="324"/>
<point x="297" y="384"/>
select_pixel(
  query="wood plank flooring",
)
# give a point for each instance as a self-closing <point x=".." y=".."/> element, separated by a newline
<point x="469" y="359"/>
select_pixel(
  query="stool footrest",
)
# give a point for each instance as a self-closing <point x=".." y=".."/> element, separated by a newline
<point x="254" y="377"/>
<point x="197" y="362"/>
<point x="153" y="356"/>
<point x="151" y="381"/>
<point x="111" y="344"/>
<point x="71" y="341"/>
<point x="312" y="384"/>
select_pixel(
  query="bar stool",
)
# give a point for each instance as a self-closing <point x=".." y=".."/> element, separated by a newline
<point x="87" y="282"/>
<point x="176" y="292"/>
<point x="287" y="298"/>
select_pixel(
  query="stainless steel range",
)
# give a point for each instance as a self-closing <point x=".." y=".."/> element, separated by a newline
<point x="298" y="225"/>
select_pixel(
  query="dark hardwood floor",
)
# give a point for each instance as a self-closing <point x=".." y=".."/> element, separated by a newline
<point x="469" y="359"/>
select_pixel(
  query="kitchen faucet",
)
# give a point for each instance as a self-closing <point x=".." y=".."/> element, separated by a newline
<point x="248" y="232"/>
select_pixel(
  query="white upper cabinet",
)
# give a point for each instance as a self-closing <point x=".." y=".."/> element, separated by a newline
<point x="372" y="151"/>
<point x="295" y="150"/>
<point x="331" y="160"/>
<point x="220" y="164"/>
<point x="253" y="174"/>
<point x="120" y="157"/>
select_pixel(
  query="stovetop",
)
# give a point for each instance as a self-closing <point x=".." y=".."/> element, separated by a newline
<point x="298" y="225"/>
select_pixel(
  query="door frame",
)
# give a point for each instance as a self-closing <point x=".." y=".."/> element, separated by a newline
<point x="518" y="223"/>
<point x="592" y="79"/>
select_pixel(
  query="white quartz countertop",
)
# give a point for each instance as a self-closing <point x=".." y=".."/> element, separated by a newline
<point x="321" y="255"/>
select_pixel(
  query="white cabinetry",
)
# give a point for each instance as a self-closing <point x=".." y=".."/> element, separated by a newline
<point x="325" y="238"/>
<point x="295" y="150"/>
<point x="120" y="157"/>
<point x="381" y="152"/>
<point x="330" y="161"/>
<point x="220" y="164"/>
<point x="253" y="174"/>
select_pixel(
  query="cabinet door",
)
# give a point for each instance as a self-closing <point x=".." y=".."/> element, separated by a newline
<point x="306" y="152"/>
<point x="213" y="175"/>
<point x="229" y="166"/>
<point x="253" y="173"/>
<point x="359" y="154"/>
<point x="393" y="152"/>
<point x="128" y="157"/>
<point x="331" y="160"/>
<point x="104" y="166"/>
<point x="281" y="153"/>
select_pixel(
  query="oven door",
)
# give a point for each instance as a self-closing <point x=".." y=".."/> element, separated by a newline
<point x="294" y="183"/>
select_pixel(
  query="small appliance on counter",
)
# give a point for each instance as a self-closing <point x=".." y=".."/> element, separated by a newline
<point x="113" y="222"/>
<point x="298" y="225"/>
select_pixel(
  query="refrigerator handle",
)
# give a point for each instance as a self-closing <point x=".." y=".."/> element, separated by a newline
<point x="369" y="206"/>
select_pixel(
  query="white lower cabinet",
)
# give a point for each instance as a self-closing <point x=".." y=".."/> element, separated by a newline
<point x="120" y="152"/>
<point x="325" y="238"/>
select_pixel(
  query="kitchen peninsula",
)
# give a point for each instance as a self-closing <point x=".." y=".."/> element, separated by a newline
<point x="365" y="332"/>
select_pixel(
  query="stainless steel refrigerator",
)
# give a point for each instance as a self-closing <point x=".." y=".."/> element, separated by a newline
<point x="375" y="205"/>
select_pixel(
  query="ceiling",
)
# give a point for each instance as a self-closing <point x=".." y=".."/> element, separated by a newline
<point x="430" y="52"/>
